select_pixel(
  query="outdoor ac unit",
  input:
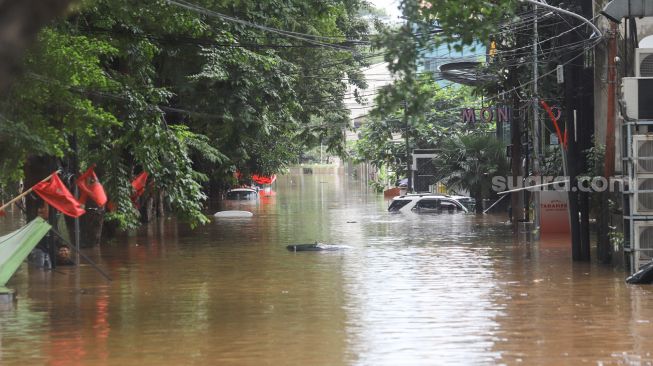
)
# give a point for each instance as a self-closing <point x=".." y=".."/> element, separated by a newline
<point x="643" y="243"/>
<point x="643" y="198"/>
<point x="643" y="154"/>
<point x="644" y="62"/>
<point x="638" y="97"/>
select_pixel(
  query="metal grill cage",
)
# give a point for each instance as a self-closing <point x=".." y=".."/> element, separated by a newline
<point x="644" y="242"/>
<point x="644" y="155"/>
<point x="646" y="66"/>
<point x="644" y="195"/>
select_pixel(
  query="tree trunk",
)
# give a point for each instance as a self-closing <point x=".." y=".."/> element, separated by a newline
<point x="478" y="197"/>
<point x="148" y="211"/>
<point x="160" y="206"/>
<point x="91" y="225"/>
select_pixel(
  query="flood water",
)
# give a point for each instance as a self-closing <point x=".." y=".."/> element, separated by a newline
<point x="409" y="290"/>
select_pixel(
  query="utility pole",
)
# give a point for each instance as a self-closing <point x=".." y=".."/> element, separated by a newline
<point x="579" y="90"/>
<point x="603" y="250"/>
<point x="612" y="80"/>
<point x="408" y="172"/>
<point x="536" y="120"/>
<point x="515" y="156"/>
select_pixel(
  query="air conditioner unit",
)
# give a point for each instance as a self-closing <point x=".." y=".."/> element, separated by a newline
<point x="643" y="243"/>
<point x="638" y="97"/>
<point x="643" y="197"/>
<point x="643" y="154"/>
<point x="644" y="62"/>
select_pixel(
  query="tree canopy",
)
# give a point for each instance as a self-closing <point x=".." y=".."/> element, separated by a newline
<point x="187" y="91"/>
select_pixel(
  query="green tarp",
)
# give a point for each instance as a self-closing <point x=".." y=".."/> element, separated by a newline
<point x="16" y="246"/>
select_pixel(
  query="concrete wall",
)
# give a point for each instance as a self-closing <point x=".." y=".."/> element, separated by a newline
<point x="317" y="169"/>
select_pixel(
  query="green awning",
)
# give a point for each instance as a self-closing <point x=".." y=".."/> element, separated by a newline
<point x="16" y="246"/>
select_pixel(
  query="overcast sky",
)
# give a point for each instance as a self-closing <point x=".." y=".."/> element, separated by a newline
<point x="390" y="6"/>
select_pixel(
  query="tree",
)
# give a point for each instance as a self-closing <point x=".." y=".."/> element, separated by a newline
<point x="184" y="93"/>
<point x="434" y="114"/>
<point x="468" y="162"/>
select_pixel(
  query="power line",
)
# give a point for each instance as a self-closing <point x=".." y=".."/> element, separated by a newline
<point x="313" y="39"/>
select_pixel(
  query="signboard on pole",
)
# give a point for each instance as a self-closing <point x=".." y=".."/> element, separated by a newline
<point x="554" y="213"/>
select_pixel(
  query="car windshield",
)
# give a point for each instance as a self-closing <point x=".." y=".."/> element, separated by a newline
<point x="396" y="205"/>
<point x="467" y="202"/>
<point x="451" y="205"/>
<point x="241" y="195"/>
<point x="428" y="204"/>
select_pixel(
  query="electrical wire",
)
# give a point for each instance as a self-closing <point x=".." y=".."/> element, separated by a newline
<point x="308" y="38"/>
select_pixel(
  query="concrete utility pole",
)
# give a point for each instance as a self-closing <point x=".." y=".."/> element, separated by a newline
<point x="603" y="249"/>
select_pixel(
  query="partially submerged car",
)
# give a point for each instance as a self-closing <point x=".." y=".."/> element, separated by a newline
<point x="428" y="203"/>
<point x="242" y="194"/>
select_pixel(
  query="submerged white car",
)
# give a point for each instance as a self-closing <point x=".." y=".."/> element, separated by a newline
<point x="429" y="203"/>
<point x="242" y="194"/>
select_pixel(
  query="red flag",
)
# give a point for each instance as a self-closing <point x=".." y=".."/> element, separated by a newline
<point x="263" y="180"/>
<point x="55" y="193"/>
<point x="139" y="185"/>
<point x="89" y="186"/>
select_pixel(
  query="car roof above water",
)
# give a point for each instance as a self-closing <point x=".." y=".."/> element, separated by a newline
<point x="420" y="195"/>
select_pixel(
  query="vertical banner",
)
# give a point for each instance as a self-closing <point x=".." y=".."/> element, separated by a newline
<point x="554" y="213"/>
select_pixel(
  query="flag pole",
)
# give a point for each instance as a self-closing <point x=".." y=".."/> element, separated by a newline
<point x="25" y="193"/>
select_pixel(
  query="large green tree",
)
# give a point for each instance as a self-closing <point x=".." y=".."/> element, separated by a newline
<point x="183" y="91"/>
<point x="433" y="114"/>
<point x="467" y="162"/>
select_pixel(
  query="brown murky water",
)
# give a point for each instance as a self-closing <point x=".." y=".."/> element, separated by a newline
<point x="410" y="290"/>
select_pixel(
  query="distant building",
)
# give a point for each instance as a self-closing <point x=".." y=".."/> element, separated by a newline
<point x="377" y="77"/>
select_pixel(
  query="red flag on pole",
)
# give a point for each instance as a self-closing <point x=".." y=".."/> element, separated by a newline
<point x="55" y="193"/>
<point x="89" y="186"/>
<point x="139" y="185"/>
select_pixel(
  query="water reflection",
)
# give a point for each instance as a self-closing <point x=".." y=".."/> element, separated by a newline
<point x="410" y="289"/>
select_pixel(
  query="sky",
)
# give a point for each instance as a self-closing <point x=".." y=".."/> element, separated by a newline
<point x="390" y="6"/>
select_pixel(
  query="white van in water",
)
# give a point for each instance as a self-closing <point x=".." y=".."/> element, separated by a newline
<point x="428" y="203"/>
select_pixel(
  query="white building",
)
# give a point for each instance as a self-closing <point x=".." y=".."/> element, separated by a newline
<point x="377" y="76"/>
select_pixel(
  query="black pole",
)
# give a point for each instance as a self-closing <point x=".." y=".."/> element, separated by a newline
<point x="515" y="155"/>
<point x="571" y="80"/>
<point x="586" y="107"/>
<point x="579" y="116"/>
<point x="572" y="163"/>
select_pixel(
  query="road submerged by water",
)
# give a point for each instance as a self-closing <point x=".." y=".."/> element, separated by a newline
<point x="409" y="290"/>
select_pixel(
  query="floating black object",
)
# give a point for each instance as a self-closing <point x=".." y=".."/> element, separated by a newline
<point x="643" y="276"/>
<point x="315" y="247"/>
